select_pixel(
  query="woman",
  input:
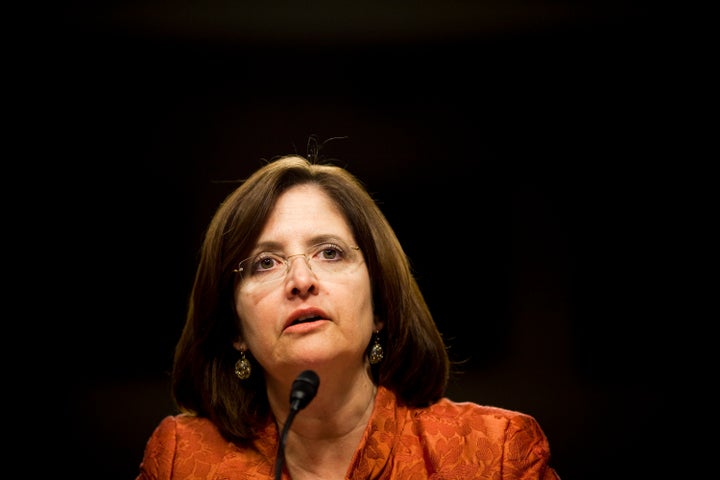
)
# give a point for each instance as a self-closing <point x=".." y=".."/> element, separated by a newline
<point x="300" y="271"/>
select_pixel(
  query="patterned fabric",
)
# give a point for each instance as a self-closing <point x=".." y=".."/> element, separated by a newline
<point x="448" y="440"/>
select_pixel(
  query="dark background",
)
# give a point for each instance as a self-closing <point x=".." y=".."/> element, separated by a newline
<point x="523" y="151"/>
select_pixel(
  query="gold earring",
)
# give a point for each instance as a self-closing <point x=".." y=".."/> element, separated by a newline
<point x="243" y="367"/>
<point x="376" y="351"/>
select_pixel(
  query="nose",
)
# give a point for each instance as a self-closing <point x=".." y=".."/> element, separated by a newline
<point x="290" y="259"/>
<point x="300" y="279"/>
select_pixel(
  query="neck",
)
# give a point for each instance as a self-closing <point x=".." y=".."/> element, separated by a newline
<point x="323" y="446"/>
<point x="325" y="435"/>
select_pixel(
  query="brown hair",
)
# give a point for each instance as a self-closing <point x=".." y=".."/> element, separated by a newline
<point x="415" y="365"/>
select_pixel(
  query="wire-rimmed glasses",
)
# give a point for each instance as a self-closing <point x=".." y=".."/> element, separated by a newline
<point x="329" y="257"/>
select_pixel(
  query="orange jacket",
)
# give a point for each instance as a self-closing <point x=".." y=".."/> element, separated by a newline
<point x="448" y="440"/>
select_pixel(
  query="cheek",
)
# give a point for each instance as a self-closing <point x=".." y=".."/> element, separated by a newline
<point x="250" y="307"/>
<point x="239" y="303"/>
<point x="246" y="301"/>
<point x="361" y="294"/>
<point x="245" y="310"/>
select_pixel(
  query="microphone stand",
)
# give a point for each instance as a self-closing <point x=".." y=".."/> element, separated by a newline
<point x="302" y="392"/>
<point x="280" y="461"/>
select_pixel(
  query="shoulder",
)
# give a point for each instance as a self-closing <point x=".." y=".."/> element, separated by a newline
<point x="497" y="435"/>
<point x="448" y="407"/>
<point x="180" y="439"/>
<point x="184" y="427"/>
<point x="460" y="412"/>
<point x="471" y="419"/>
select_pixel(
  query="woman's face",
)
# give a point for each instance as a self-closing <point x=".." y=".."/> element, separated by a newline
<point x="315" y="311"/>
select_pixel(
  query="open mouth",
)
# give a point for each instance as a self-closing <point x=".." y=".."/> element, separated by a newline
<point x="312" y="318"/>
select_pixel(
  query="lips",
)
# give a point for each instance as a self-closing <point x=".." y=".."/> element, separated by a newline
<point x="306" y="315"/>
<point x="306" y="319"/>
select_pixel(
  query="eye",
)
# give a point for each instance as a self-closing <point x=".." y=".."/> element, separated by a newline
<point x="328" y="252"/>
<point x="264" y="262"/>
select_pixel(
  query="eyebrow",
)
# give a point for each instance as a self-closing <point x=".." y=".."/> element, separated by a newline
<point x="272" y="246"/>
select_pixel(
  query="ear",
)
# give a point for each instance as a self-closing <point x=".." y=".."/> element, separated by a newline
<point x="240" y="345"/>
<point x="379" y="324"/>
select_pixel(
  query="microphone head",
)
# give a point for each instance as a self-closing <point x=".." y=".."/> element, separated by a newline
<point x="304" y="389"/>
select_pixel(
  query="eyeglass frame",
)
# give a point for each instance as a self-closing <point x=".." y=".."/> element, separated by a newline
<point x="287" y="259"/>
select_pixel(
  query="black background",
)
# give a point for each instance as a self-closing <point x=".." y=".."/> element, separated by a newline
<point x="522" y="151"/>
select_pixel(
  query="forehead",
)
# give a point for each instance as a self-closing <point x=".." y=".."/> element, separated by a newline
<point x="305" y="211"/>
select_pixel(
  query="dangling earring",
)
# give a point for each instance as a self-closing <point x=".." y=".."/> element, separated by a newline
<point x="376" y="351"/>
<point x="243" y="367"/>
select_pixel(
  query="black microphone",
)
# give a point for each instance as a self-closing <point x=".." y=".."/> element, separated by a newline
<point x="302" y="392"/>
<point x="303" y="389"/>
